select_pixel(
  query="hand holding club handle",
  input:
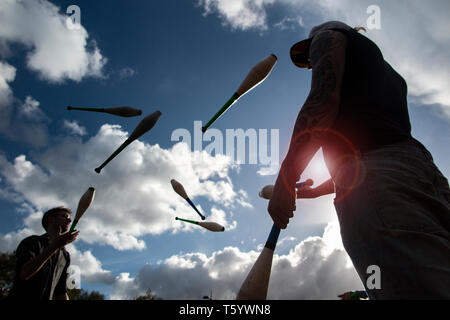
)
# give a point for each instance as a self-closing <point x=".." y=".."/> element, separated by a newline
<point x="256" y="284"/>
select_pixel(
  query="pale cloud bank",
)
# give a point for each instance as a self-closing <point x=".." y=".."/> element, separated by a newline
<point x="133" y="197"/>
<point x="55" y="51"/>
<point x="315" y="268"/>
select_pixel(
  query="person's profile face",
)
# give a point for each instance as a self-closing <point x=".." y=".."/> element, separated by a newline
<point x="61" y="219"/>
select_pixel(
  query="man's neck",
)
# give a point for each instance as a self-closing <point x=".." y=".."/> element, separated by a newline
<point x="53" y="234"/>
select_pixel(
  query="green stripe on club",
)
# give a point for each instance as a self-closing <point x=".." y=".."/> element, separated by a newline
<point x="227" y="105"/>
<point x="123" y="146"/>
<point x="185" y="220"/>
<point x="74" y="224"/>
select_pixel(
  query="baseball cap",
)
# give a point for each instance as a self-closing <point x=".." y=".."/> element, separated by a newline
<point x="300" y="51"/>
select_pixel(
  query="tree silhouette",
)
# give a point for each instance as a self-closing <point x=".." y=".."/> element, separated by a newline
<point x="81" y="294"/>
<point x="148" y="296"/>
<point x="7" y="272"/>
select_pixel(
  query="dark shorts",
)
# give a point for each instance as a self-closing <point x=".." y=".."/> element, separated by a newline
<point x="395" y="214"/>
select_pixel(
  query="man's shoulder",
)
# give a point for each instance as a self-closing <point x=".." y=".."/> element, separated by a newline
<point x="33" y="240"/>
<point x="35" y="237"/>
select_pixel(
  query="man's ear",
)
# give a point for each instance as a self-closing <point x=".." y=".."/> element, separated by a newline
<point x="51" y="224"/>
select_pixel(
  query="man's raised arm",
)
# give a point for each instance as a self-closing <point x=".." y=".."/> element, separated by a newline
<point x="327" y="59"/>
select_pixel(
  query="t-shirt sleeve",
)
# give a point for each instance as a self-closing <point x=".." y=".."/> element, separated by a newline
<point x="27" y="250"/>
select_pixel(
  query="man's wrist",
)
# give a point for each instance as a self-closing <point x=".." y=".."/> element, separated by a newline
<point x="288" y="172"/>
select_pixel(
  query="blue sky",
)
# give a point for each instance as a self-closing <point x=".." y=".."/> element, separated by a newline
<point x="185" y="58"/>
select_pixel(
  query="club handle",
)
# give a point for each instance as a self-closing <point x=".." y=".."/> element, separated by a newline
<point x="271" y="242"/>
<point x="227" y="104"/>
<point x="86" y="109"/>
<point x="195" y="208"/>
<point x="275" y="232"/>
<point x="74" y="224"/>
<point x="186" y="220"/>
<point x="123" y="146"/>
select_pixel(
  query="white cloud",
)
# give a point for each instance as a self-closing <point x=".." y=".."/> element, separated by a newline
<point x="125" y="288"/>
<point x="24" y="122"/>
<point x="74" y="128"/>
<point x="30" y="110"/>
<point x="90" y="267"/>
<point x="422" y="60"/>
<point x="7" y="75"/>
<point x="242" y="200"/>
<point x="289" y="23"/>
<point x="21" y="172"/>
<point x="10" y="241"/>
<point x="220" y="217"/>
<point x="268" y="171"/>
<point x="56" y="52"/>
<point x="285" y="240"/>
<point x="239" y="14"/>
<point x="316" y="268"/>
<point x="133" y="197"/>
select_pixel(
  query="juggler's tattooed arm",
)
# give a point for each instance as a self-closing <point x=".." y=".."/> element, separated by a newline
<point x="327" y="60"/>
